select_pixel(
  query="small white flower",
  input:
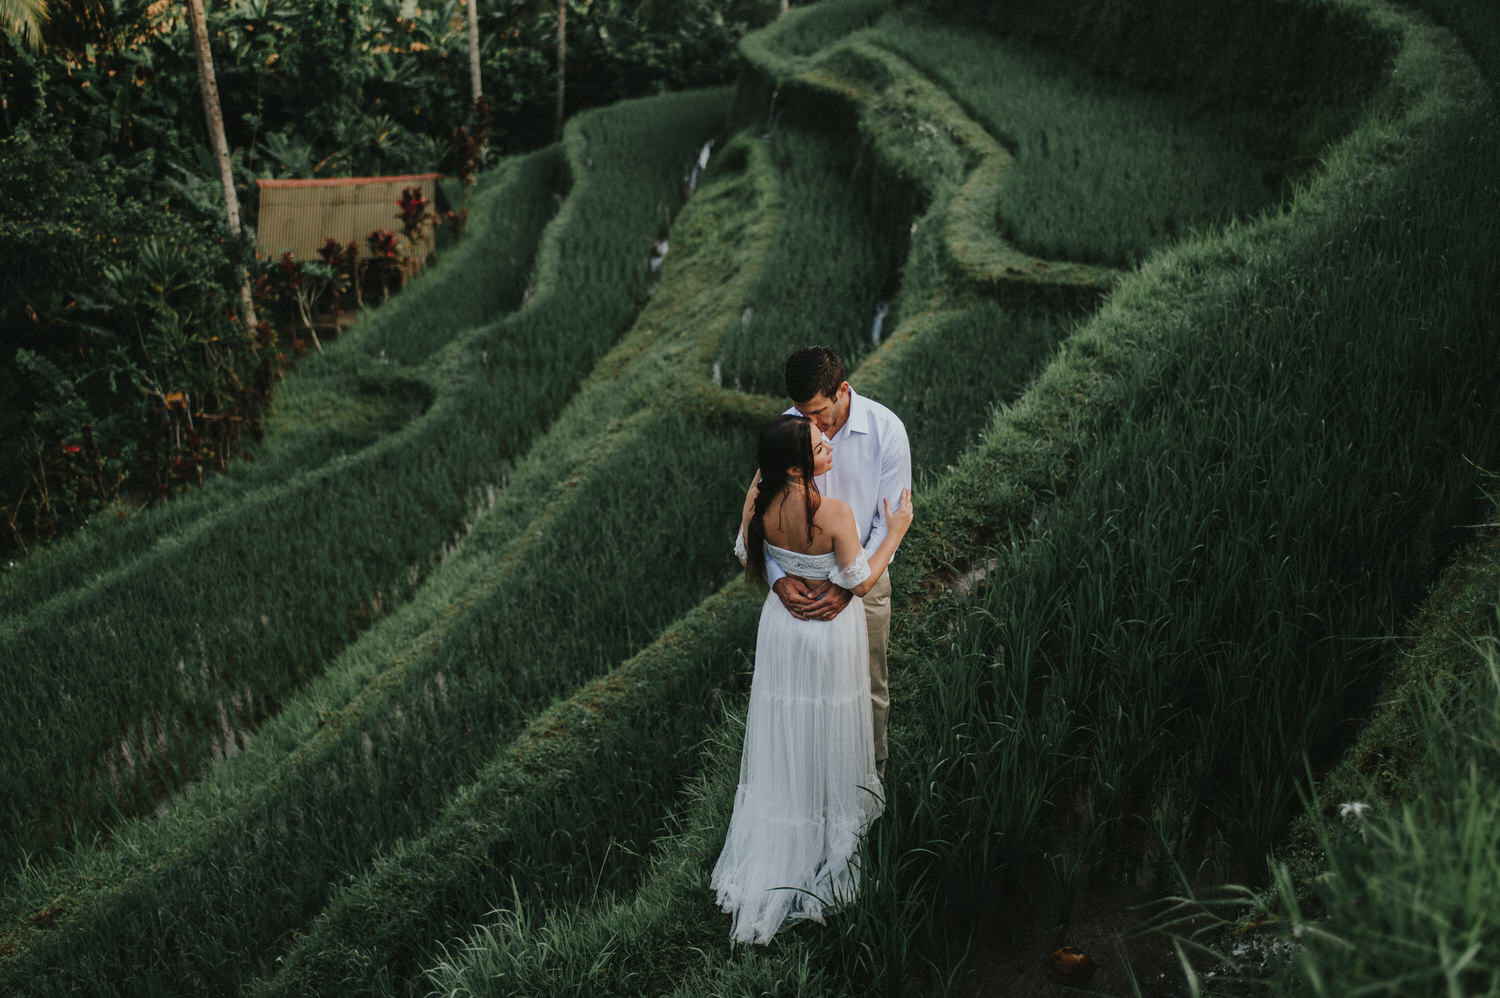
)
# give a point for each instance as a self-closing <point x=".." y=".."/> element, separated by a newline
<point x="1357" y="808"/>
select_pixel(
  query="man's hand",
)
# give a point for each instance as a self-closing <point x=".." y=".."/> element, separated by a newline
<point x="811" y="600"/>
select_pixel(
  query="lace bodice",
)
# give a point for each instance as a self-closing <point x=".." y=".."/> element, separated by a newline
<point x="813" y="566"/>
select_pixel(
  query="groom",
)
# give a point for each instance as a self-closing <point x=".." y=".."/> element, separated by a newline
<point x="871" y="463"/>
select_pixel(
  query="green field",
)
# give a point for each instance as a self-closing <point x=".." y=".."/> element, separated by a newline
<point x="441" y="691"/>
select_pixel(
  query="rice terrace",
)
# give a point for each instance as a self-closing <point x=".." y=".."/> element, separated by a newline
<point x="1190" y="311"/>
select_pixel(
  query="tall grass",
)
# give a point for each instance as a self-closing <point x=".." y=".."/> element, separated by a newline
<point x="740" y="220"/>
<point x="957" y="364"/>
<point x="793" y="42"/>
<point x="418" y="672"/>
<point x="824" y="283"/>
<point x="1406" y="902"/>
<point x="133" y="693"/>
<point x="927" y="153"/>
<point x="1237" y="531"/>
<point x="1297" y="74"/>
<point x="1387" y="882"/>
<point x="528" y="831"/>
<point x="902" y="157"/>
<point x="528" y="824"/>
<point x="1208" y="533"/>
<point x="664" y="934"/>
<point x="280" y="580"/>
<point x="1199" y="612"/>
<point x="499" y="643"/>
<point x="1101" y="174"/>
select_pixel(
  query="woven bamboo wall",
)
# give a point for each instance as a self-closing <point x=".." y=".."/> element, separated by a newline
<point x="298" y="216"/>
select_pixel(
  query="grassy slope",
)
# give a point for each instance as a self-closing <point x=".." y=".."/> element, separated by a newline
<point x="1297" y="302"/>
<point x="358" y="432"/>
<point x="306" y="800"/>
<point x="659" y="937"/>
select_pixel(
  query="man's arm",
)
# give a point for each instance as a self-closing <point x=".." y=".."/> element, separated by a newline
<point x="895" y="475"/>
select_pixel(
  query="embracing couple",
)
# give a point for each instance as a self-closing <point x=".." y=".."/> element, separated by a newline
<point x="830" y="504"/>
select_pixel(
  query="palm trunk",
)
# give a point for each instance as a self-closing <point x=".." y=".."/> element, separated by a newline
<point x="474" y="86"/>
<point x="562" y="62"/>
<point x="475" y="79"/>
<point x="209" y="88"/>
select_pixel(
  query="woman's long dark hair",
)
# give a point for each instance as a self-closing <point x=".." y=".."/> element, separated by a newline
<point x="785" y="443"/>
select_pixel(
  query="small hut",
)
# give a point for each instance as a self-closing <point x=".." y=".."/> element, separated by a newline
<point x="299" y="216"/>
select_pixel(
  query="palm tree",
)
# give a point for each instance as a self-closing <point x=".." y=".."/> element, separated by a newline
<point x="22" y="20"/>
<point x="208" y="86"/>
<point x="21" y="24"/>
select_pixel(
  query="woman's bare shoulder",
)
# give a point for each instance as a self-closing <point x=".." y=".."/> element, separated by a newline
<point x="832" y="511"/>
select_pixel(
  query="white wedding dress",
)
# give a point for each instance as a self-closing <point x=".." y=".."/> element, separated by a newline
<point x="808" y="789"/>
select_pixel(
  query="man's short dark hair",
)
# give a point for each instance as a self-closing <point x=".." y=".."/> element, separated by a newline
<point x="812" y="371"/>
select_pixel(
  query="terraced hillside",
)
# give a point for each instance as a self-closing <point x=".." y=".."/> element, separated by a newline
<point x="441" y="692"/>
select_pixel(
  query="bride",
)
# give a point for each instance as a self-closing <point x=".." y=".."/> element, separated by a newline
<point x="808" y="788"/>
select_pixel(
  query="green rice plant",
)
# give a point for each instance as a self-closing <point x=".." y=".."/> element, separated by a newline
<point x="1406" y="902"/>
<point x="1144" y="582"/>
<point x="375" y="829"/>
<point x="279" y="581"/>
<point x="922" y="138"/>
<point x="1100" y="175"/>
<point x="914" y="365"/>
<point x="956" y="363"/>
<point x="648" y="942"/>
<point x="1184" y="595"/>
<point x="824" y="283"/>
<point x="792" y="43"/>
<point x="1381" y="871"/>
<point x="621" y="745"/>
<point x="663" y="360"/>
<point x="347" y="406"/>
<point x="752" y="975"/>
<point x="553" y="780"/>
<point x="1222" y="600"/>
<point x="381" y="766"/>
<point x="895" y="152"/>
<point x="357" y="937"/>
<point x="664" y="935"/>
<point x="487" y="281"/>
<point x="1297" y="76"/>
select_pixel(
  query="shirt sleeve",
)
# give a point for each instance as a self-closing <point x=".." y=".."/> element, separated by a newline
<point x="774" y="572"/>
<point x="895" y="475"/>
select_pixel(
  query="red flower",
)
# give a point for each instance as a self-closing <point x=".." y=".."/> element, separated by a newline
<point x="413" y="207"/>
<point x="290" y="272"/>
<point x="382" y="243"/>
<point x="71" y="448"/>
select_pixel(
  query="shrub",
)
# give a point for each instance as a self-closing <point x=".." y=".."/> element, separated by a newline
<point x="126" y="371"/>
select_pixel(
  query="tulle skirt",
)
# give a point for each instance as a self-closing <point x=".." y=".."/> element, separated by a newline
<point x="808" y="789"/>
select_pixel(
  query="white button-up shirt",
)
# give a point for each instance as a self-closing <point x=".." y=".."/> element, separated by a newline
<point x="871" y="463"/>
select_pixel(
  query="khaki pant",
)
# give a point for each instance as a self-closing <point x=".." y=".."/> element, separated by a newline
<point x="878" y="620"/>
